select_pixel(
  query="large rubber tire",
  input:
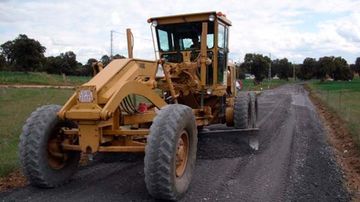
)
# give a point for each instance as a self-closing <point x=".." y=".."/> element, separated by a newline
<point x="42" y="125"/>
<point x="160" y="152"/>
<point x="242" y="111"/>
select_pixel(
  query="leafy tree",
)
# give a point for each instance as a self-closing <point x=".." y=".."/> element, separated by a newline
<point x="257" y="65"/>
<point x="308" y="68"/>
<point x="240" y="72"/>
<point x="336" y="68"/>
<point x="23" y="53"/>
<point x="65" y="63"/>
<point x="342" y="70"/>
<point x="326" y="67"/>
<point x="87" y="70"/>
<point x="105" y="59"/>
<point x="118" y="56"/>
<point x="2" y="62"/>
<point x="282" y="68"/>
<point x="53" y="65"/>
<point x="357" y="65"/>
<point x="6" y="50"/>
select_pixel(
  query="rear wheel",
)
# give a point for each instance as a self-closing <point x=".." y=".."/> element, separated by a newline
<point x="170" y="153"/>
<point x="242" y="111"/>
<point x="42" y="158"/>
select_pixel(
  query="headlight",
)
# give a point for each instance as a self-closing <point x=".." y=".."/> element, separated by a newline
<point x="86" y="96"/>
<point x="154" y="23"/>
<point x="237" y="85"/>
<point x="160" y="71"/>
<point x="211" y="18"/>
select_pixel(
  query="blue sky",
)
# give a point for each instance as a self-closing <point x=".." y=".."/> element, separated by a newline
<point x="284" y="28"/>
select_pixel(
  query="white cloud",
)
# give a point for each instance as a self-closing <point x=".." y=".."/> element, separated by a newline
<point x="258" y="26"/>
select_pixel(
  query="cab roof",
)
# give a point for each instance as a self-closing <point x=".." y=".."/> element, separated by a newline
<point x="191" y="17"/>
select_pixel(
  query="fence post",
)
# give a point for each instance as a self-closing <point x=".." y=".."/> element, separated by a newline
<point x="64" y="78"/>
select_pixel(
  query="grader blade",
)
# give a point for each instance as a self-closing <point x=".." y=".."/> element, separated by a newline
<point x="250" y="135"/>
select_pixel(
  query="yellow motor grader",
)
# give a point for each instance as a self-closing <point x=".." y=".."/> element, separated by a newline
<point x="136" y="105"/>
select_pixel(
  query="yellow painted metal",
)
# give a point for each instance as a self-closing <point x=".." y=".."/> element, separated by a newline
<point x="131" y="87"/>
<point x="122" y="149"/>
<point x="97" y="67"/>
<point x="107" y="148"/>
<point x="203" y="53"/>
<point x="89" y="137"/>
<point x="83" y="114"/>
<point x="119" y="79"/>
<point x="141" y="132"/>
<point x="139" y="118"/>
<point x="192" y="17"/>
<point x="130" y="42"/>
<point x="104" y="121"/>
<point x="67" y="106"/>
<point x="216" y="50"/>
<point x="122" y="131"/>
<point x="169" y="82"/>
<point x="229" y="116"/>
<point x="232" y="71"/>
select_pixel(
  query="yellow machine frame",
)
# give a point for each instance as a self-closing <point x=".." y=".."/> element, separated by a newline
<point x="102" y="125"/>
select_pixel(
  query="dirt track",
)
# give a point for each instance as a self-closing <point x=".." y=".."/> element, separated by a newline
<point x="294" y="163"/>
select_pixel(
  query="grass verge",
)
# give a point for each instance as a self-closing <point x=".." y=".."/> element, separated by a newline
<point x="248" y="85"/>
<point x="343" y="98"/>
<point x="15" y="106"/>
<point x="40" y="78"/>
<point x="342" y="140"/>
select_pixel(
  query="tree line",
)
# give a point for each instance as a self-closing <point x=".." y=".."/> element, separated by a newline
<point x="26" y="54"/>
<point x="327" y="67"/>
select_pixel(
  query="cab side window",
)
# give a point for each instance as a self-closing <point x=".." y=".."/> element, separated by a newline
<point x="222" y="54"/>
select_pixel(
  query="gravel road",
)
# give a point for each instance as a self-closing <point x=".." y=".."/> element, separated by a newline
<point x="294" y="163"/>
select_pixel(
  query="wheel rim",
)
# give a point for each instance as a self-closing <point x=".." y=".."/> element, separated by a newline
<point x="56" y="156"/>
<point x="182" y="153"/>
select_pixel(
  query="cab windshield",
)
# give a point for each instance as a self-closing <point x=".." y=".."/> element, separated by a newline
<point x="180" y="37"/>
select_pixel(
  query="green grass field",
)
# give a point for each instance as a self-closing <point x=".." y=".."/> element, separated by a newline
<point x="249" y="84"/>
<point x="343" y="97"/>
<point x="15" y="106"/>
<point x="333" y="86"/>
<point x="40" y="78"/>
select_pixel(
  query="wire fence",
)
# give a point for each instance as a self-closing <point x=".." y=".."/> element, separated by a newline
<point x="346" y="103"/>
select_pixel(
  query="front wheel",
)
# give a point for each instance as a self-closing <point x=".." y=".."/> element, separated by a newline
<point x="44" y="162"/>
<point x="170" y="153"/>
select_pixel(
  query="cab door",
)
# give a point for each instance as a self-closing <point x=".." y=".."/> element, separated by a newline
<point x="223" y="51"/>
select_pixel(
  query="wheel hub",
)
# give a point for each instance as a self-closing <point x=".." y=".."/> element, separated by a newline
<point x="182" y="153"/>
<point x="56" y="156"/>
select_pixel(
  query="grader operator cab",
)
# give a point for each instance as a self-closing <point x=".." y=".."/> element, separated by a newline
<point x="135" y="105"/>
